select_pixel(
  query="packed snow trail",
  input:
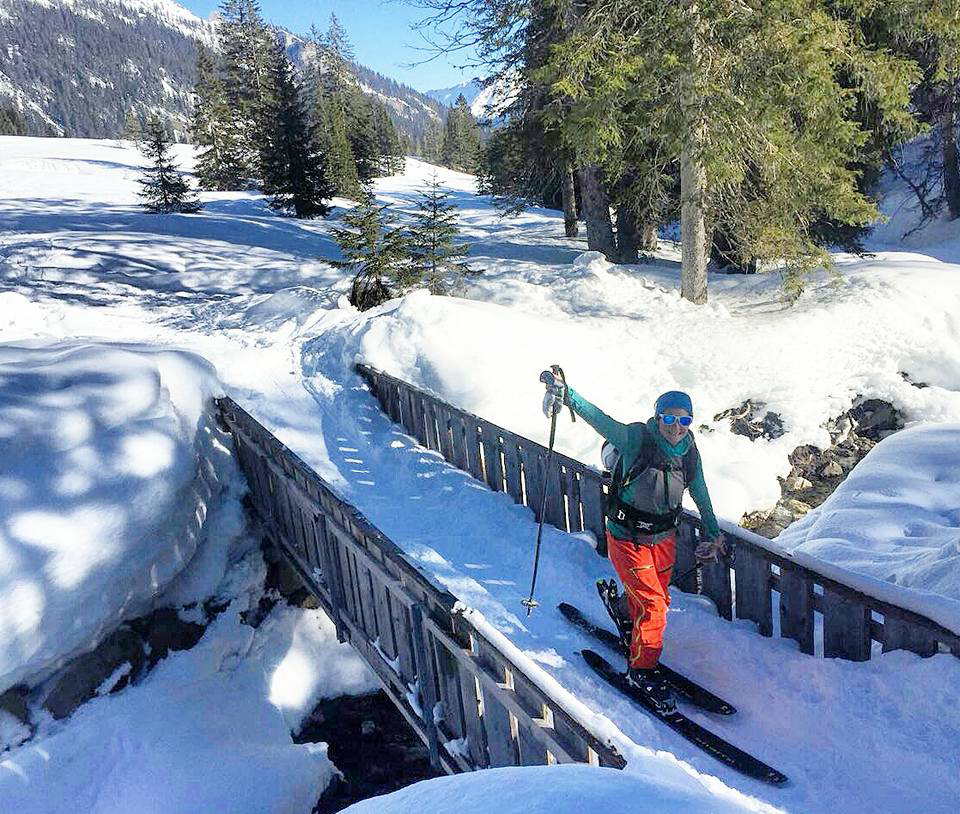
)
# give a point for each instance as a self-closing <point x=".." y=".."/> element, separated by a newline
<point x="877" y="737"/>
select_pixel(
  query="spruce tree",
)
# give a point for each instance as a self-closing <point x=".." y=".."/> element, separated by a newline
<point x="389" y="145"/>
<point x="436" y="257"/>
<point x="165" y="190"/>
<point x="461" y="139"/>
<point x="745" y="99"/>
<point x="341" y="167"/>
<point x="293" y="161"/>
<point x="375" y="250"/>
<point x="220" y="164"/>
<point x="247" y="45"/>
<point x="362" y="136"/>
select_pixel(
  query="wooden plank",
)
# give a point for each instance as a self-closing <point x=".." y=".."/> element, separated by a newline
<point x="492" y="466"/>
<point x="443" y="429"/>
<point x="846" y="627"/>
<point x="796" y="608"/>
<point x="448" y="682"/>
<point x="420" y="422"/>
<point x="404" y="636"/>
<point x="512" y="468"/>
<point x="554" y="512"/>
<point x="427" y="690"/>
<point x="385" y="632"/>
<point x="715" y="583"/>
<point x="474" y="721"/>
<point x="334" y="577"/>
<point x="574" y="507"/>
<point x="430" y="422"/>
<point x="594" y="517"/>
<point x="531" y="479"/>
<point x="472" y="447"/>
<point x="532" y="751"/>
<point x="500" y="731"/>
<point x="753" y="590"/>
<point x="900" y="634"/>
<point x="685" y="558"/>
<point x="458" y="432"/>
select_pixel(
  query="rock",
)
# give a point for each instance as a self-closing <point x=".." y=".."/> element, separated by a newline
<point x="368" y="727"/>
<point x="797" y="507"/>
<point x="874" y="416"/>
<point x="163" y="631"/>
<point x="14" y="701"/>
<point x="745" y="420"/>
<point x="797" y="483"/>
<point x="832" y="470"/>
<point x="79" y="681"/>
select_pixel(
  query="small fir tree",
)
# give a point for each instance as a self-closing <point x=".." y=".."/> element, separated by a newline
<point x="375" y="250"/>
<point x="436" y="257"/>
<point x="165" y="190"/>
<point x="389" y="145"/>
<point x="293" y="161"/>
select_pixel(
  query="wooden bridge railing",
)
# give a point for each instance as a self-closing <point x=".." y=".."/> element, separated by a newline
<point x="762" y="582"/>
<point x="468" y="701"/>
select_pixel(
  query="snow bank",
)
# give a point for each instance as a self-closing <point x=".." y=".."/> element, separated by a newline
<point x="201" y="733"/>
<point x="564" y="789"/>
<point x="896" y="518"/>
<point x="111" y="464"/>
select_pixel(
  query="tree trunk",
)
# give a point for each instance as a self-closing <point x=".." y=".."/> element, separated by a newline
<point x="596" y="210"/>
<point x="951" y="165"/>
<point x="648" y="236"/>
<point x="693" y="182"/>
<point x="568" y="190"/>
<point x="628" y="236"/>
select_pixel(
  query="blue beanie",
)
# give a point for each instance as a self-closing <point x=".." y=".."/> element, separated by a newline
<point x="673" y="398"/>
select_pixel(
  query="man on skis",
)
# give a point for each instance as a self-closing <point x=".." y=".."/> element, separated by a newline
<point x="658" y="462"/>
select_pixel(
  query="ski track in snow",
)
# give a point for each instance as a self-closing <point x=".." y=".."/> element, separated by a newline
<point x="76" y="259"/>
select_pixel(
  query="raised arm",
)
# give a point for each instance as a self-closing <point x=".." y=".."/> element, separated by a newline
<point x="611" y="429"/>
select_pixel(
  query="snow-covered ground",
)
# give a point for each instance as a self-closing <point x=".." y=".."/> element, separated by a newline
<point x="249" y="292"/>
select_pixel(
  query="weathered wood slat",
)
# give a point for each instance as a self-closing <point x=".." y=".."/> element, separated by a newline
<point x="474" y="721"/>
<point x="512" y="468"/>
<point x="846" y="627"/>
<point x="685" y="559"/>
<point x="797" y="608"/>
<point x="594" y="518"/>
<point x="532" y="483"/>
<point x="493" y="469"/>
<point x="423" y="650"/>
<point x="554" y="511"/>
<point x="753" y="590"/>
<point x="574" y="509"/>
<point x="901" y="635"/>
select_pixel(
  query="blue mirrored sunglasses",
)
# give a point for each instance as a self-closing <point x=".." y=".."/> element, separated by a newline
<point x="669" y="420"/>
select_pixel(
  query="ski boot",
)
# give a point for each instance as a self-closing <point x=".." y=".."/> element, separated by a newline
<point x="654" y="688"/>
<point x="615" y="603"/>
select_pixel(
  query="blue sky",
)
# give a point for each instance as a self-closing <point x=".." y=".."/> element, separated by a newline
<point x="380" y="31"/>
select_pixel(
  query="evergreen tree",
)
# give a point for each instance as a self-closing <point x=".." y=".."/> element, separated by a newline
<point x="341" y="167"/>
<point x="12" y="122"/>
<point x="746" y="99"/>
<point x="362" y="135"/>
<point x="165" y="190"/>
<point x="293" y="161"/>
<point x="220" y="163"/>
<point x="376" y="250"/>
<point x="390" y="147"/>
<point x="247" y="45"/>
<point x="436" y="257"/>
<point x="461" y="139"/>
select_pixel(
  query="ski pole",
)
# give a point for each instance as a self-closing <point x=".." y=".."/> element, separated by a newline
<point x="530" y="603"/>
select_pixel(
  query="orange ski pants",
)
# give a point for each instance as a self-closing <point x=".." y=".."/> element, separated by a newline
<point x="645" y="573"/>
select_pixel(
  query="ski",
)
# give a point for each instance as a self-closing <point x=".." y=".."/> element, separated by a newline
<point x="684" y="687"/>
<point x="709" y="742"/>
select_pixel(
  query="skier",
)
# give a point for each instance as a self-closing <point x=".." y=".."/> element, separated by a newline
<point x="658" y="462"/>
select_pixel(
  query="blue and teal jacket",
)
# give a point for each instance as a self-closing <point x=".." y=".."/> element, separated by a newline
<point x="647" y="491"/>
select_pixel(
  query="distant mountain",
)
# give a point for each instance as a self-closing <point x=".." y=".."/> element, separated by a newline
<point x="79" y="67"/>
<point x="486" y="103"/>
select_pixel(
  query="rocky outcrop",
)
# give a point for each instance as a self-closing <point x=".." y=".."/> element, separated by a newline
<point x="816" y="472"/>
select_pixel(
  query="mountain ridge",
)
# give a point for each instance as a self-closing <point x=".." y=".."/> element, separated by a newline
<point x="79" y="67"/>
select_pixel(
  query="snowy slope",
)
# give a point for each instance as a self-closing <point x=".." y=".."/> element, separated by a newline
<point x="249" y="291"/>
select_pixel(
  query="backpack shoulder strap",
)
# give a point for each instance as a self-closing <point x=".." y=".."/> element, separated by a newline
<point x="643" y="460"/>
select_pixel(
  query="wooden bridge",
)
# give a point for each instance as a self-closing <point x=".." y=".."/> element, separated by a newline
<point x="464" y="696"/>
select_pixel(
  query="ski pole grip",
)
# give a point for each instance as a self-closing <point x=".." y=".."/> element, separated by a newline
<point x="558" y="371"/>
